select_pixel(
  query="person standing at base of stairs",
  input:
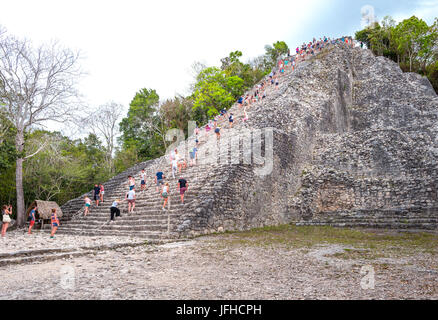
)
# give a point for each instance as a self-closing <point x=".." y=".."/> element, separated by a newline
<point x="55" y="223"/>
<point x="32" y="219"/>
<point x="96" y="194"/>
<point x="114" y="210"/>
<point x="182" y="186"/>
<point x="165" y="194"/>
<point x="6" y="212"/>
<point x="130" y="196"/>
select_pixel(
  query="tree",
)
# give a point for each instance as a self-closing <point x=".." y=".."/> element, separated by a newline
<point x="46" y="173"/>
<point x="214" y="91"/>
<point x="36" y="85"/>
<point x="412" y="44"/>
<point x="232" y="66"/>
<point x="276" y="51"/>
<point x="411" y="38"/>
<point x="138" y="128"/>
<point x="177" y="112"/>
<point x="104" y="123"/>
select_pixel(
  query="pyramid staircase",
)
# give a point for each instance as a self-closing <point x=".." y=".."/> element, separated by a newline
<point x="148" y="220"/>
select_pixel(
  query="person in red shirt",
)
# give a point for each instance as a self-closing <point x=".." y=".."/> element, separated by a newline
<point x="32" y="219"/>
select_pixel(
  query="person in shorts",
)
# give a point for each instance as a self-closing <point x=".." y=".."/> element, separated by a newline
<point x="192" y="154"/>
<point x="159" y="179"/>
<point x="143" y="180"/>
<point x="182" y="186"/>
<point x="96" y="194"/>
<point x="231" y="120"/>
<point x="6" y="212"/>
<point x="55" y="223"/>
<point x="32" y="219"/>
<point x="165" y="194"/>
<point x="131" y="182"/>
<point x="130" y="196"/>
<point x="87" y="206"/>
<point x="218" y="133"/>
<point x="102" y="192"/>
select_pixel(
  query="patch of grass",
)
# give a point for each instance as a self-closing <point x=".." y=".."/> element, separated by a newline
<point x="291" y="236"/>
<point x="352" y="254"/>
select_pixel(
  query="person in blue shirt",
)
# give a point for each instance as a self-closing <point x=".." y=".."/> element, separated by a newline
<point x="192" y="154"/>
<point x="159" y="180"/>
<point x="32" y="219"/>
<point x="240" y="101"/>
<point x="231" y="120"/>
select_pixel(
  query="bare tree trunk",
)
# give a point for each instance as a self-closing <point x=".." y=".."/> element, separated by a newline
<point x="19" y="144"/>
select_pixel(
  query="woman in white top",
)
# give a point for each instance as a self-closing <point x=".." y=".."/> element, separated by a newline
<point x="131" y="200"/>
<point x="6" y="211"/>
<point x="114" y="210"/>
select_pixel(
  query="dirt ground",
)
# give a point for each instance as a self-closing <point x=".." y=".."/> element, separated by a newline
<point x="283" y="263"/>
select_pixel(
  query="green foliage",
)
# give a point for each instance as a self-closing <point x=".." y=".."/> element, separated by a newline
<point x="215" y="91"/>
<point x="274" y="52"/>
<point x="177" y="113"/>
<point x="7" y="144"/>
<point x="138" y="127"/>
<point x="411" y="43"/>
<point x="125" y="159"/>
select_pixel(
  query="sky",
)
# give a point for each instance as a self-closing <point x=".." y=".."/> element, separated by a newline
<point x="132" y="44"/>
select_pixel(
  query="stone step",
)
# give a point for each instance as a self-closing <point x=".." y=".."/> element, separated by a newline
<point x="151" y="235"/>
<point x="31" y="256"/>
<point x="122" y="220"/>
<point x="118" y="227"/>
<point x="42" y="258"/>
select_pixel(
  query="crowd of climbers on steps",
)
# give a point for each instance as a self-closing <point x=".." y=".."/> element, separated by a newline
<point x="260" y="91"/>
